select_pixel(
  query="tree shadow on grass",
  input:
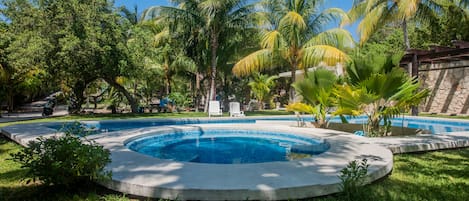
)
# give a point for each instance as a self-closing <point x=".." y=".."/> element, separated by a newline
<point x="439" y="165"/>
<point x="40" y="192"/>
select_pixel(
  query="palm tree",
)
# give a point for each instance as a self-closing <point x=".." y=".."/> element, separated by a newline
<point x="260" y="87"/>
<point x="380" y="90"/>
<point x="378" y="13"/>
<point x="317" y="95"/>
<point x="212" y="19"/>
<point x="169" y="53"/>
<point x="292" y="36"/>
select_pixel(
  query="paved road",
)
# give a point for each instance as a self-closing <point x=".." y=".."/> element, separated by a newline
<point x="12" y="117"/>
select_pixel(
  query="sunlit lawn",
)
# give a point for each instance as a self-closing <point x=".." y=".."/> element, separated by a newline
<point x="442" y="175"/>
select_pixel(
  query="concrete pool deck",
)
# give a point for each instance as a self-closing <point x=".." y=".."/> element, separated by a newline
<point x="138" y="174"/>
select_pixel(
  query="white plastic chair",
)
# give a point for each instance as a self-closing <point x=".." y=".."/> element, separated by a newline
<point x="214" y="108"/>
<point x="235" y="110"/>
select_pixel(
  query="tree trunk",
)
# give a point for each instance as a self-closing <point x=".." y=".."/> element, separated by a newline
<point x="10" y="98"/>
<point x="135" y="88"/>
<point x="133" y="103"/>
<point x="415" y="74"/>
<point x="406" y="34"/>
<point x="167" y="79"/>
<point x="196" y="92"/>
<point x="292" y="80"/>
<point x="207" y="101"/>
<point x="95" y="99"/>
<point x="77" y="99"/>
<point x="213" y="65"/>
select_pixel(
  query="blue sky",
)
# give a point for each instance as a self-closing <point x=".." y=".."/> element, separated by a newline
<point x="143" y="4"/>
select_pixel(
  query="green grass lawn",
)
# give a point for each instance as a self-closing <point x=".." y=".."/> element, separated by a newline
<point x="441" y="175"/>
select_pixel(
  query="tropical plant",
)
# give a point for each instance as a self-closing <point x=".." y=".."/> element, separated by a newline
<point x="317" y="95"/>
<point x="74" y="41"/>
<point x="352" y="177"/>
<point x="452" y="24"/>
<point x="292" y="36"/>
<point x="375" y="14"/>
<point x="215" y="20"/>
<point x="379" y="92"/>
<point x="21" y="50"/>
<point x="169" y="55"/>
<point x="180" y="100"/>
<point x="261" y="86"/>
<point x="64" y="160"/>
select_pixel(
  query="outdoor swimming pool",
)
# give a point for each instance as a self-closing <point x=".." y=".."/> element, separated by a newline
<point x="434" y="125"/>
<point x="228" y="146"/>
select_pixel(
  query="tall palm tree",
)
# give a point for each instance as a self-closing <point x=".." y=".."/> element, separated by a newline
<point x="169" y="57"/>
<point x="378" y="13"/>
<point x="292" y="35"/>
<point x="210" y="19"/>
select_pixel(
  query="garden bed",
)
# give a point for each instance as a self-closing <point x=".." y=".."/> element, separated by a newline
<point x="395" y="131"/>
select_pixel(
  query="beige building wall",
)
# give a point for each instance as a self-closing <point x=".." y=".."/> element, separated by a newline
<point x="449" y="85"/>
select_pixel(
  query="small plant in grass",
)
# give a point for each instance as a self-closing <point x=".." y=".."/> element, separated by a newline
<point x="64" y="160"/>
<point x="352" y="177"/>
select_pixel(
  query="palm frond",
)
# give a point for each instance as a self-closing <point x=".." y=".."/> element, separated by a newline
<point x="339" y="38"/>
<point x="210" y="7"/>
<point x="348" y="101"/>
<point x="330" y="15"/>
<point x="301" y="107"/>
<point x="316" y="88"/>
<point x="407" y="8"/>
<point x="371" y="22"/>
<point x="161" y="37"/>
<point x="355" y="13"/>
<point x="150" y="13"/>
<point x="316" y="54"/>
<point x="184" y="63"/>
<point x="272" y="40"/>
<point x="293" y="19"/>
<point x="255" y="62"/>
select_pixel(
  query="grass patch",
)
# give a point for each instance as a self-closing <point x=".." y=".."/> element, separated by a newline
<point x="441" y="175"/>
<point x="444" y="116"/>
<point x="13" y="187"/>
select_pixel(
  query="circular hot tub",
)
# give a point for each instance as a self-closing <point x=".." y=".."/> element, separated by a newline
<point x="228" y="146"/>
<point x="235" y="161"/>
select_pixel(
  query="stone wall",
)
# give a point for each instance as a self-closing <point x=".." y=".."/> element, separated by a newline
<point x="449" y="85"/>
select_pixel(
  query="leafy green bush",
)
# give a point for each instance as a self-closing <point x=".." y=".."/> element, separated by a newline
<point x="64" y="160"/>
<point x="352" y="177"/>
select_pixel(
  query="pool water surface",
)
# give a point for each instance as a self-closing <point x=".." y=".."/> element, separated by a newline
<point x="228" y="146"/>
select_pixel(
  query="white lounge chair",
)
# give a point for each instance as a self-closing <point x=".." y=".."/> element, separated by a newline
<point x="235" y="111"/>
<point x="214" y="108"/>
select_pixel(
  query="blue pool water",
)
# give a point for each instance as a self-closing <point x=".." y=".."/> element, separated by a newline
<point x="118" y="125"/>
<point x="228" y="146"/>
<point x="436" y="126"/>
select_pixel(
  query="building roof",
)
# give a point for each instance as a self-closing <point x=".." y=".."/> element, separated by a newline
<point x="439" y="54"/>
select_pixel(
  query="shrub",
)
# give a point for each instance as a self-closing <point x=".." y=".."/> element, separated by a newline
<point x="352" y="177"/>
<point x="64" y="160"/>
